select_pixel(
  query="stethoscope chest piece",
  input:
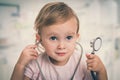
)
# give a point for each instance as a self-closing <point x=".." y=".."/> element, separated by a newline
<point x="96" y="44"/>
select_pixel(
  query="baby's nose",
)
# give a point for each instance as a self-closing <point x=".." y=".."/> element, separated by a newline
<point x="61" y="45"/>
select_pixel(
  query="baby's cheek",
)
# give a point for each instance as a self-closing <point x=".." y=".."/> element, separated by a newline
<point x="71" y="47"/>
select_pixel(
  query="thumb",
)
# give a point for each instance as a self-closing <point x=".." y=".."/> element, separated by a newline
<point x="89" y="56"/>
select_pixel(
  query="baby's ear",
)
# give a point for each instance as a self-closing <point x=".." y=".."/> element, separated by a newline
<point x="38" y="37"/>
<point x="78" y="35"/>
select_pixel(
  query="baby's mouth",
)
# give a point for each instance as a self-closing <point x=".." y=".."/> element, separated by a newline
<point x="61" y="53"/>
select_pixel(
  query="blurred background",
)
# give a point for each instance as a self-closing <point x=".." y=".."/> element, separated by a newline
<point x="97" y="18"/>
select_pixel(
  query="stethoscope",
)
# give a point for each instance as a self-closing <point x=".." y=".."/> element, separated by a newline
<point x="95" y="44"/>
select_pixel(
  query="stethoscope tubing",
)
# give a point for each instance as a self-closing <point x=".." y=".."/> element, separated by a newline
<point x="93" y="75"/>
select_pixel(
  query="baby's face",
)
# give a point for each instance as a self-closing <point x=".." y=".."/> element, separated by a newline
<point x="59" y="41"/>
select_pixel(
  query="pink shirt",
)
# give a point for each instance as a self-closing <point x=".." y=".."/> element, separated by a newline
<point x="53" y="72"/>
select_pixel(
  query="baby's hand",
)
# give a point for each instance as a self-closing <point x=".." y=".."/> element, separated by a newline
<point x="29" y="53"/>
<point x="94" y="63"/>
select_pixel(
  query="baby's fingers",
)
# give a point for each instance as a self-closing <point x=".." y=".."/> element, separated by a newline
<point x="91" y="62"/>
<point x="29" y="53"/>
<point x="92" y="66"/>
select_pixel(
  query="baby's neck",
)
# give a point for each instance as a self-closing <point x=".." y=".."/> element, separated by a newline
<point x="58" y="63"/>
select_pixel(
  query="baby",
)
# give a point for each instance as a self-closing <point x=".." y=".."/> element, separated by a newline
<point x="57" y="28"/>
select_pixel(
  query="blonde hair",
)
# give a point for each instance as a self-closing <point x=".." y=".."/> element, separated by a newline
<point x="53" y="13"/>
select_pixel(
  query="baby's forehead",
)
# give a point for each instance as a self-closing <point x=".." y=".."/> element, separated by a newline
<point x="68" y="27"/>
<point x="54" y="33"/>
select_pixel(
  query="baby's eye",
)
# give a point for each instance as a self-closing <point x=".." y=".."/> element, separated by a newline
<point x="69" y="37"/>
<point x="53" y="38"/>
